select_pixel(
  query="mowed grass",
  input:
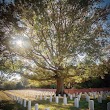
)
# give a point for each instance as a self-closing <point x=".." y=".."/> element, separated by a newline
<point x="3" y="96"/>
<point x="8" y="104"/>
<point x="70" y="106"/>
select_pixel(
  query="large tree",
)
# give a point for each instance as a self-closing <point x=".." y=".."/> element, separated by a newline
<point x="56" y="33"/>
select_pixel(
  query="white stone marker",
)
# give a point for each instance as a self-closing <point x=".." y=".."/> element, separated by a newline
<point x="108" y="106"/>
<point x="76" y="102"/>
<point x="59" y="95"/>
<point x="17" y="99"/>
<point x="95" y="95"/>
<point x="104" y="97"/>
<point x="79" y="97"/>
<point x="29" y="105"/>
<point x="51" y="98"/>
<point x="65" y="101"/>
<point x="40" y="97"/>
<point x="21" y="101"/>
<point x="45" y="97"/>
<point x="24" y="102"/>
<point x="69" y="94"/>
<point x="57" y="99"/>
<point x="99" y="99"/>
<point x="71" y="97"/>
<point x="91" y="105"/>
<point x="64" y="95"/>
<point x="87" y="98"/>
<point x="36" y="106"/>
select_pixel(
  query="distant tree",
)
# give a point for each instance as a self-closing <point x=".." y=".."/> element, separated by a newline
<point x="9" y="85"/>
<point x="19" y="85"/>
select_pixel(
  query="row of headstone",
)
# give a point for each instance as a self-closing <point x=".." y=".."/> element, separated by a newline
<point x="98" y="95"/>
<point x="90" y="104"/>
<point x="24" y="102"/>
<point x="31" y="93"/>
<point x="76" y="100"/>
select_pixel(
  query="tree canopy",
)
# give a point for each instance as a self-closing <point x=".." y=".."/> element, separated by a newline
<point x="47" y="39"/>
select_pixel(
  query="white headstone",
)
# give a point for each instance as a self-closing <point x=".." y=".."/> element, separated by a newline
<point x="69" y="94"/>
<point x="95" y="95"/>
<point x="76" y="102"/>
<point x="99" y="99"/>
<point x="51" y="98"/>
<point x="29" y="105"/>
<point x="101" y="93"/>
<point x="79" y="97"/>
<point x="65" y="101"/>
<point x="24" y="102"/>
<point x="59" y="95"/>
<point x="21" y="101"/>
<point x="104" y="97"/>
<point x="57" y="99"/>
<point x="45" y="97"/>
<point x="91" y="105"/>
<point x="36" y="106"/>
<point x="40" y="97"/>
<point x="108" y="106"/>
<point x="87" y="98"/>
<point x="64" y="95"/>
<point x="71" y="97"/>
<point x="17" y="99"/>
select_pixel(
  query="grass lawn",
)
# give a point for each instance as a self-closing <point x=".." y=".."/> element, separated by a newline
<point x="7" y="104"/>
<point x="70" y="106"/>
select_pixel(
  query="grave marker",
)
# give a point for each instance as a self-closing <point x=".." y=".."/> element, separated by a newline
<point x="65" y="100"/>
<point x="108" y="106"/>
<point x="76" y="102"/>
<point x="57" y="99"/>
<point x="36" y="106"/>
<point x="24" y="102"/>
<point x="29" y="105"/>
<point x="91" y="105"/>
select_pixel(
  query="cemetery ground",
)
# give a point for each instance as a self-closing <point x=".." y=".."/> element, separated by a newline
<point x="8" y="103"/>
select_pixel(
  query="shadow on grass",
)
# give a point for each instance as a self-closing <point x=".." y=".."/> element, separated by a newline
<point x="10" y="105"/>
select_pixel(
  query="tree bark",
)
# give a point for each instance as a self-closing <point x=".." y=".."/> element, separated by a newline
<point x="60" y="86"/>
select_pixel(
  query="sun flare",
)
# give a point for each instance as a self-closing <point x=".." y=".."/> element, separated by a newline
<point x="19" y="43"/>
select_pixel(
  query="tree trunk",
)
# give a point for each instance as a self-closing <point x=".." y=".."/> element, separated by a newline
<point x="60" y="86"/>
